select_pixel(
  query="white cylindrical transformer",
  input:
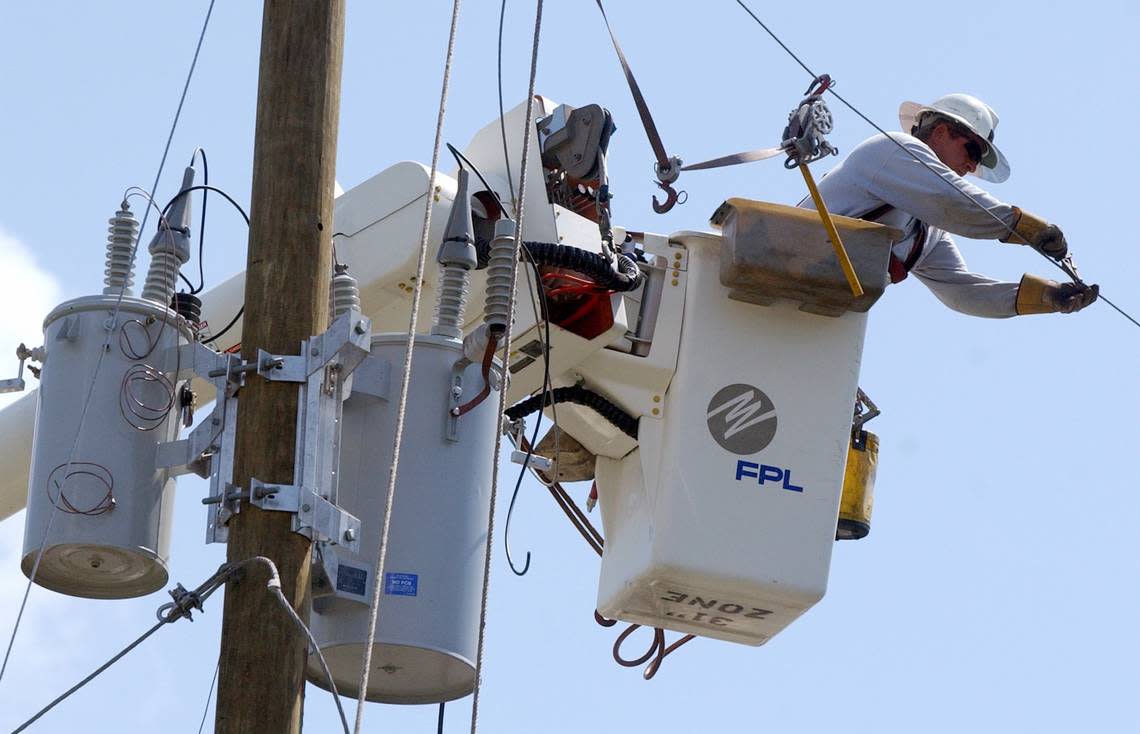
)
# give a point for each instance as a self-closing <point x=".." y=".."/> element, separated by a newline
<point x="428" y="626"/>
<point x="97" y="505"/>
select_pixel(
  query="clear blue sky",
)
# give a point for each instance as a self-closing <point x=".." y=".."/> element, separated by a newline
<point x="999" y="589"/>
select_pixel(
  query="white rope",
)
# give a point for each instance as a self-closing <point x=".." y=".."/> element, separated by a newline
<point x="527" y="131"/>
<point x="107" y="344"/>
<point x="377" y="573"/>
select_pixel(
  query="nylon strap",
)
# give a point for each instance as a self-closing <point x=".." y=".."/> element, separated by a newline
<point x="638" y="99"/>
<point x="736" y="159"/>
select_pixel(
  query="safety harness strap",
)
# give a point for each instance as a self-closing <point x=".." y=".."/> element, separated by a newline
<point x="899" y="268"/>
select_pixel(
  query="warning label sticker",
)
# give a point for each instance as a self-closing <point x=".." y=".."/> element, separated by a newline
<point x="351" y="580"/>
<point x="401" y="584"/>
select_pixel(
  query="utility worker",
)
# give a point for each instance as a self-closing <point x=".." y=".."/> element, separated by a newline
<point x="884" y="179"/>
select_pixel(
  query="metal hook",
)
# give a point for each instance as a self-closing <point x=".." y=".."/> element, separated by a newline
<point x="666" y="175"/>
<point x="824" y="81"/>
<point x="670" y="200"/>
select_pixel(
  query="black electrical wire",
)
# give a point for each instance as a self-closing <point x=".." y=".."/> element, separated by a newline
<point x="869" y="121"/>
<point x="502" y="122"/>
<point x="462" y="162"/>
<point x="439" y="722"/>
<point x="544" y="317"/>
<point x="546" y="389"/>
<point x="228" y="326"/>
<point x="227" y="197"/>
<point x="205" y="187"/>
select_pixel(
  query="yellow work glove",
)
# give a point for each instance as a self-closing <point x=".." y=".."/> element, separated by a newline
<point x="1032" y="230"/>
<point x="1039" y="295"/>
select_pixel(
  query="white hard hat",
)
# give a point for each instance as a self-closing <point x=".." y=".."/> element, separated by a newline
<point x="972" y="113"/>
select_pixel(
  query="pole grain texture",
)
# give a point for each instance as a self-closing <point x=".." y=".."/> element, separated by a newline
<point x="261" y="676"/>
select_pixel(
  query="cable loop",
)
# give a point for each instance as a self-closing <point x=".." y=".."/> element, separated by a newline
<point x="658" y="641"/>
<point x="657" y="650"/>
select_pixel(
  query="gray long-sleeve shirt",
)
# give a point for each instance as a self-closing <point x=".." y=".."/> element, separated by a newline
<point x="878" y="172"/>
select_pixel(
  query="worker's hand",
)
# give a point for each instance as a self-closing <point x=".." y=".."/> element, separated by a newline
<point x="1032" y="230"/>
<point x="1051" y="242"/>
<point x="1072" y="297"/>
<point x="1039" y="295"/>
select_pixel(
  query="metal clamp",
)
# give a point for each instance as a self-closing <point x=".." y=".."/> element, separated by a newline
<point x="323" y="370"/>
<point x="865" y="410"/>
<point x="314" y="516"/>
<point x="208" y="450"/>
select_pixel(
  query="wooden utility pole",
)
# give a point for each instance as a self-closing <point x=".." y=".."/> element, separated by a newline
<point x="261" y="680"/>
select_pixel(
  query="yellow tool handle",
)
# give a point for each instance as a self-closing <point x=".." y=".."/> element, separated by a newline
<point x="833" y="233"/>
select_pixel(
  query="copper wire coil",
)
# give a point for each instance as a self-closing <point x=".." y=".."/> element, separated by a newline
<point x="101" y="476"/>
<point x="135" y="409"/>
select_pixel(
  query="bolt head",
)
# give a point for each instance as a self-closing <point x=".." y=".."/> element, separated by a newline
<point x="350" y="535"/>
<point x="360" y="327"/>
<point x="305" y="508"/>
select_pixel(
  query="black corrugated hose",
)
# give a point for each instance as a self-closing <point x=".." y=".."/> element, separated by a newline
<point x="627" y="276"/>
<point x="625" y="422"/>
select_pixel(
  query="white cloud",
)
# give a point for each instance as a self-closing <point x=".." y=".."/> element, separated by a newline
<point x="27" y="293"/>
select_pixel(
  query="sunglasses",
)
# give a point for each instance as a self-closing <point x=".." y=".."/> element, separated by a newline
<point x="973" y="147"/>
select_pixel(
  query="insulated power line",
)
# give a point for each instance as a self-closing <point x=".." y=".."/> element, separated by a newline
<point x="106" y="346"/>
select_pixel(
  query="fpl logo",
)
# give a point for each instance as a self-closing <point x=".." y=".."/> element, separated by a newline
<point x="742" y="419"/>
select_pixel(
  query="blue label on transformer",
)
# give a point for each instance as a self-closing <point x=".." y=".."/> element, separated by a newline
<point x="401" y="584"/>
<point x="351" y="580"/>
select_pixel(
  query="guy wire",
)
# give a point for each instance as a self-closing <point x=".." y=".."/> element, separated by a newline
<point x="184" y="604"/>
<point x="102" y="352"/>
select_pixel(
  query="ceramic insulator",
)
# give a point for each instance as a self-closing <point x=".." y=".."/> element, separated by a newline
<point x="119" y="274"/>
<point x="161" y="277"/>
<point x="344" y="294"/>
<point x="453" y="284"/>
<point x="499" y="266"/>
